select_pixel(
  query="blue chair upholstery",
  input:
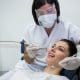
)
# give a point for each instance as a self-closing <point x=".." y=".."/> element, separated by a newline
<point x="71" y="74"/>
<point x="22" y="46"/>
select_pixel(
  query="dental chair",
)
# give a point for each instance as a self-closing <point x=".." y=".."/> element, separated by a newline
<point x="71" y="74"/>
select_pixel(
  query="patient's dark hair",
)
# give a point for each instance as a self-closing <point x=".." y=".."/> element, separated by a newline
<point x="71" y="74"/>
<point x="39" y="3"/>
<point x="72" y="47"/>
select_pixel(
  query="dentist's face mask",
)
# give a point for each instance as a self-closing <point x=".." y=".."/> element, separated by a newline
<point x="47" y="20"/>
<point x="47" y="15"/>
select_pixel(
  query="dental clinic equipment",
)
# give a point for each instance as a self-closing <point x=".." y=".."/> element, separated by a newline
<point x="9" y="43"/>
<point x="33" y="50"/>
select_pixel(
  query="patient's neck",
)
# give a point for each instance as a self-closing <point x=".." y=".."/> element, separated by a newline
<point x="53" y="70"/>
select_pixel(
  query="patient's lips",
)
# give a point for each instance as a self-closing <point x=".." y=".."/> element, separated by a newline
<point x="50" y="55"/>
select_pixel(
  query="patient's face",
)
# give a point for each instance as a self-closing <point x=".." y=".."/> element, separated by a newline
<point x="59" y="51"/>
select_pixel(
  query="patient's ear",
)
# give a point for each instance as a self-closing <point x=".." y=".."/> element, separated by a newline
<point x="70" y="63"/>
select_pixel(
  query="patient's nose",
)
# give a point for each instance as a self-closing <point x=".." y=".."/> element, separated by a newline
<point x="53" y="49"/>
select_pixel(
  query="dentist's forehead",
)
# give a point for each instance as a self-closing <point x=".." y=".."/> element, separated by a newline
<point x="47" y="6"/>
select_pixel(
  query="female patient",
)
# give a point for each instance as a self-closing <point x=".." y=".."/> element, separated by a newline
<point x="52" y="71"/>
<point x="58" y="52"/>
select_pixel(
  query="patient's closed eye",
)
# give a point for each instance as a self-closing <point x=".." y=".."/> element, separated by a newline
<point x="61" y="49"/>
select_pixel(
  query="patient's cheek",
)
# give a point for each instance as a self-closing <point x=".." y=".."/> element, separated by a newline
<point x="61" y="57"/>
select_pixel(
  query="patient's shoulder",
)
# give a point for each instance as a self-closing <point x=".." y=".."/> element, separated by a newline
<point x="64" y="78"/>
<point x="46" y="76"/>
<point x="58" y="77"/>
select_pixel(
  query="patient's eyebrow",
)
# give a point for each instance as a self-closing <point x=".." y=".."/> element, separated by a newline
<point x="53" y="45"/>
<point x="62" y="47"/>
<point x="58" y="46"/>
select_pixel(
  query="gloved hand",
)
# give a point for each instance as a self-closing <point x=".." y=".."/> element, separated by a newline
<point x="35" y="51"/>
<point x="31" y="50"/>
<point x="70" y="63"/>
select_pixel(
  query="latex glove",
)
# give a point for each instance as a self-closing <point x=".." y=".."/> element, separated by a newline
<point x="70" y="63"/>
<point x="31" y="50"/>
<point x="35" y="51"/>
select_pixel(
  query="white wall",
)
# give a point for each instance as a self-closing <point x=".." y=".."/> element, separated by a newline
<point x="15" y="15"/>
<point x="70" y="11"/>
